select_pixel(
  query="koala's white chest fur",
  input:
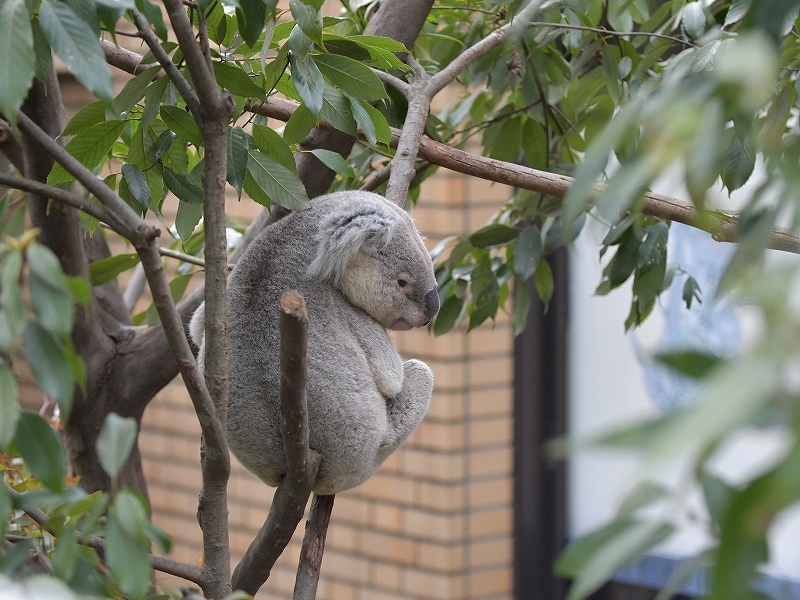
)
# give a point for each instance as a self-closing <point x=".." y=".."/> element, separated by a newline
<point x="363" y="401"/>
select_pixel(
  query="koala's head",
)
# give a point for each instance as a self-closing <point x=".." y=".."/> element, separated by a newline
<point x="371" y="250"/>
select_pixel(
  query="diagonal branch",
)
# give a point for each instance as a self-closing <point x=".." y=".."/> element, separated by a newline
<point x="166" y="63"/>
<point x="65" y="197"/>
<point x="123" y="59"/>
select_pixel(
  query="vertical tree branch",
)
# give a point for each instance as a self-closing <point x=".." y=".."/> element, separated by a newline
<point x="305" y="584"/>
<point x="302" y="463"/>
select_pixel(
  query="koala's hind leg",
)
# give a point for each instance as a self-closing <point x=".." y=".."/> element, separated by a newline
<point x="406" y="410"/>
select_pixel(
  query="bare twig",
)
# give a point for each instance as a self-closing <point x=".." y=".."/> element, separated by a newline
<point x="135" y="287"/>
<point x="302" y="463"/>
<point x="305" y="584"/>
<point x="181" y="256"/>
<point x="185" y="571"/>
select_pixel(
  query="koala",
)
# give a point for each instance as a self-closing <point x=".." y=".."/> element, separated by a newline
<point x="362" y="267"/>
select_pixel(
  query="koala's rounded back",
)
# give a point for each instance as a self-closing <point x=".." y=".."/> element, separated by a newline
<point x="362" y="267"/>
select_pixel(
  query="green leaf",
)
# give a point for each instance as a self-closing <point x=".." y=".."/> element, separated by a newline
<point x="352" y="77"/>
<point x="448" y="314"/>
<point x="90" y="147"/>
<point x="336" y="111"/>
<point x="250" y="15"/>
<point x="299" y="125"/>
<point x="278" y="182"/>
<point x="135" y="89"/>
<point x="187" y="218"/>
<point x="543" y="278"/>
<point x="152" y="102"/>
<point x="53" y="306"/>
<point x="645" y="493"/>
<point x="237" y="158"/>
<point x="5" y="508"/>
<point x="44" y="54"/>
<point x="739" y="162"/>
<point x="694" y="20"/>
<point x="374" y="124"/>
<point x="334" y="161"/>
<point x="527" y="252"/>
<point x="182" y="123"/>
<point x="718" y="496"/>
<point x="153" y="15"/>
<point x="164" y="143"/>
<point x="688" y="362"/>
<point x="522" y="305"/>
<point x="308" y="82"/>
<point x="485" y="304"/>
<point x="492" y="235"/>
<point x="308" y="19"/>
<point x="41" y="450"/>
<point x="9" y="409"/>
<point x="137" y="184"/>
<point x="237" y="82"/>
<point x="51" y="368"/>
<point x="17" y="58"/>
<point x="79" y="48"/>
<point x="65" y="555"/>
<point x="127" y="558"/>
<point x="106" y="269"/>
<point x="626" y="545"/>
<point x="691" y="291"/>
<point x="87" y="117"/>
<point x="115" y="442"/>
<point x="273" y="145"/>
<point x="736" y="12"/>
<point x="185" y="190"/>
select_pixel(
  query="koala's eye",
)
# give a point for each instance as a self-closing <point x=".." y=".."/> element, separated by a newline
<point x="402" y="282"/>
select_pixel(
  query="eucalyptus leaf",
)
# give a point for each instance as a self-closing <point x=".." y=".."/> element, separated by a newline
<point x="278" y="182"/>
<point x="49" y="363"/>
<point x="41" y="450"/>
<point x="115" y="442"/>
<point x="9" y="408"/>
<point x="17" y="58"/>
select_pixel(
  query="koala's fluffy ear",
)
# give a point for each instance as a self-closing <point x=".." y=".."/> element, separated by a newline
<point x="360" y="226"/>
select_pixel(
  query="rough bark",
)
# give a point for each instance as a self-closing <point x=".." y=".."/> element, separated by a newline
<point x="308" y="570"/>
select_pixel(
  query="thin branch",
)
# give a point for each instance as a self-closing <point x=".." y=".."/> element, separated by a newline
<point x="65" y="197"/>
<point x="185" y="571"/>
<point x="203" y="78"/>
<point x="123" y="59"/>
<point x="302" y="463"/>
<point x="474" y="52"/>
<point x="307" y="579"/>
<point x="133" y="291"/>
<point x="389" y="79"/>
<point x="602" y="31"/>
<point x="133" y="225"/>
<point x="185" y="90"/>
<point x="377" y="178"/>
<point x="424" y="88"/>
<point x="721" y="225"/>
<point x="187" y="258"/>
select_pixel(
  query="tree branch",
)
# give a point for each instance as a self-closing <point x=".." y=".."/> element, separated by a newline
<point x="65" y="197"/>
<point x="397" y="83"/>
<point x="185" y="90"/>
<point x="302" y="463"/>
<point x="205" y="84"/>
<point x="308" y="570"/>
<point x="422" y="91"/>
<point x="720" y="225"/>
<point x="185" y="571"/>
<point x="123" y="59"/>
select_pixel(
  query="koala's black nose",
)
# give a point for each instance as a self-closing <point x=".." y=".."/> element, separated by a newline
<point x="431" y="304"/>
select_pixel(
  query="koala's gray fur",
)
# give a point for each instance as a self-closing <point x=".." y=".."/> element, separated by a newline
<point x="361" y="265"/>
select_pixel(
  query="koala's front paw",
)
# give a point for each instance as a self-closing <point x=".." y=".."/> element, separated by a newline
<point x="407" y="409"/>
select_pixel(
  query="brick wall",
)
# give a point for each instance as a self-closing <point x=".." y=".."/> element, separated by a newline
<point x="435" y="521"/>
